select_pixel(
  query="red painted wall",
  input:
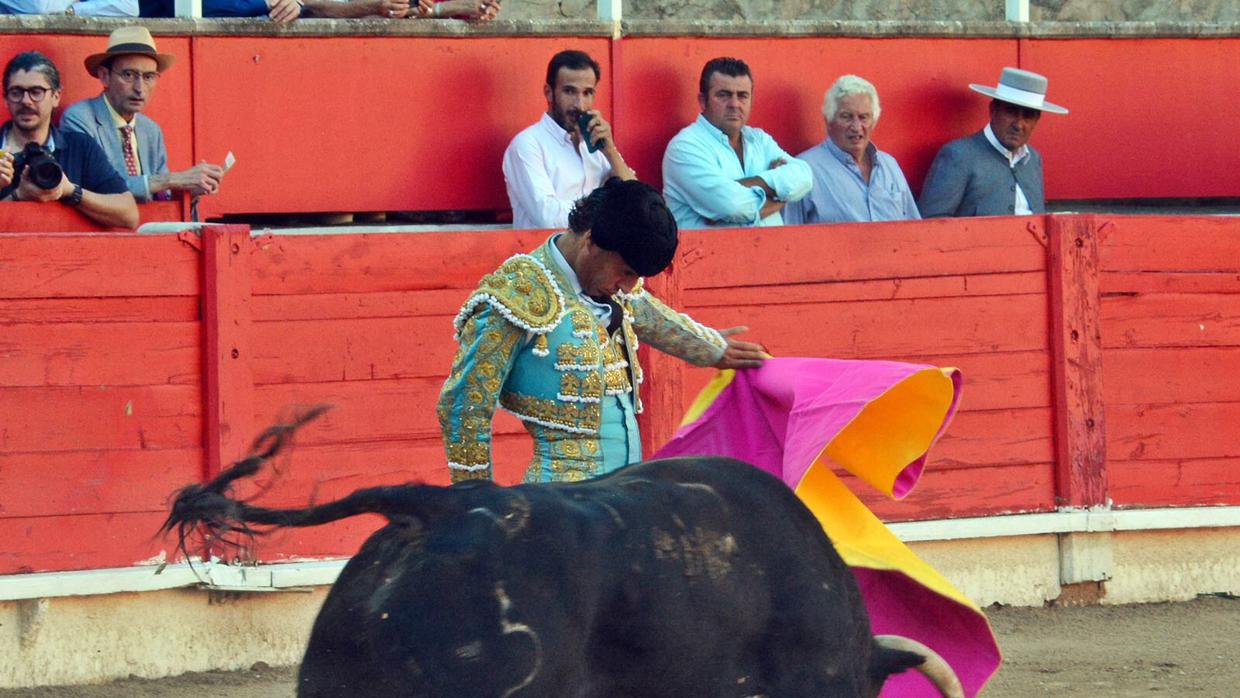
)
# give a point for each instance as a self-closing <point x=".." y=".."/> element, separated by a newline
<point x="420" y="123"/>
<point x="106" y="400"/>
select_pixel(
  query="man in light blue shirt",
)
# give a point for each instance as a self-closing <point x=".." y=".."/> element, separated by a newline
<point x="853" y="180"/>
<point x="718" y="172"/>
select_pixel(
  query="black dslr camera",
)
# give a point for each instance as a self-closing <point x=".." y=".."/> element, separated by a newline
<point x="40" y="166"/>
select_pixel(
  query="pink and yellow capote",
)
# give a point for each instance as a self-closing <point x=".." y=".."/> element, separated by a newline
<point x="800" y="419"/>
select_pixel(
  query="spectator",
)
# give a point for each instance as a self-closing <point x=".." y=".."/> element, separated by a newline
<point x="994" y="172"/>
<point x="280" y="11"/>
<point x="482" y="10"/>
<point x="548" y="166"/>
<point x="129" y="69"/>
<point x="347" y="9"/>
<point x="720" y="172"/>
<point x="78" y="8"/>
<point x="87" y="181"/>
<point x="853" y="179"/>
<point x="552" y="337"/>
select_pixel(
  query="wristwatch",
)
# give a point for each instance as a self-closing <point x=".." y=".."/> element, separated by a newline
<point x="73" y="199"/>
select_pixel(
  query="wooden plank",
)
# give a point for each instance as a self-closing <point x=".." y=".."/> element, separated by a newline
<point x="93" y="482"/>
<point x="46" y="419"/>
<point x="144" y="309"/>
<point x="227" y="336"/>
<point x="1155" y="483"/>
<point x="80" y="542"/>
<point x="663" y="384"/>
<point x="143" y="353"/>
<point x="89" y="266"/>
<point x="873" y="329"/>
<point x="364" y="349"/>
<point x="1119" y="283"/>
<point x="943" y="494"/>
<point x="1076" y="362"/>
<point x="352" y="306"/>
<point x="908" y="288"/>
<point x="843" y="252"/>
<point x="1173" y="431"/>
<point x="1171" y="243"/>
<point x="362" y="410"/>
<point x="1171" y="320"/>
<point x="1001" y="437"/>
<point x="1190" y="374"/>
<point x="384" y="262"/>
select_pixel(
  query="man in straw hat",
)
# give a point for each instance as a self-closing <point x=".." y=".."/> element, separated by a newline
<point x="994" y="172"/>
<point x="129" y="69"/>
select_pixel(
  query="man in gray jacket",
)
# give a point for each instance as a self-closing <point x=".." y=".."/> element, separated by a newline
<point x="129" y="70"/>
<point x="993" y="172"/>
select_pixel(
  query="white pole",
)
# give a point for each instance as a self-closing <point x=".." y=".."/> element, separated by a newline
<point x="610" y="10"/>
<point x="192" y="9"/>
<point x="1017" y="10"/>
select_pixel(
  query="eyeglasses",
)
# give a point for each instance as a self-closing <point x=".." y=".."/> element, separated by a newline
<point x="129" y="77"/>
<point x="17" y="94"/>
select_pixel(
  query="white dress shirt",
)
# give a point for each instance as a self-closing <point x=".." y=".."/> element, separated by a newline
<point x="1022" y="204"/>
<point x="546" y="174"/>
<point x="87" y="8"/>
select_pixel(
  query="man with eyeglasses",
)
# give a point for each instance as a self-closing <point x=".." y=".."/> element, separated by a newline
<point x="87" y="182"/>
<point x="129" y="69"/>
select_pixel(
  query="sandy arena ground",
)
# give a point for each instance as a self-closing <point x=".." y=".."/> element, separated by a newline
<point x="1181" y="649"/>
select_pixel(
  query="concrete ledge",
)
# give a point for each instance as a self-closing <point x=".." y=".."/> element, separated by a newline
<point x="56" y="24"/>
<point x="289" y="575"/>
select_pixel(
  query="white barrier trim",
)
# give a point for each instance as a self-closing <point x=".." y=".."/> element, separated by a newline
<point x="1068" y="521"/>
<point x="292" y="575"/>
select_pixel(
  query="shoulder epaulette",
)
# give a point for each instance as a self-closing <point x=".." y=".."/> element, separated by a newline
<point x="521" y="290"/>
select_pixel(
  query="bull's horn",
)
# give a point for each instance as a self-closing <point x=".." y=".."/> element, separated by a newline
<point x="934" y="668"/>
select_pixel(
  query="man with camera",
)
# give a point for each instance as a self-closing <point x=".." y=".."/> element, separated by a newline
<point x="567" y="154"/>
<point x="129" y="69"/>
<point x="43" y="163"/>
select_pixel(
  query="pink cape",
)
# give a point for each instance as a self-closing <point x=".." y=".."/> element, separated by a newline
<point x="800" y="420"/>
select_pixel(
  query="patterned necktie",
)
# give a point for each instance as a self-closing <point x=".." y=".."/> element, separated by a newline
<point x="131" y="163"/>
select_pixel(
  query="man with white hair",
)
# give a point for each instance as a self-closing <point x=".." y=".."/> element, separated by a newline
<point x="853" y="180"/>
<point x="994" y="172"/>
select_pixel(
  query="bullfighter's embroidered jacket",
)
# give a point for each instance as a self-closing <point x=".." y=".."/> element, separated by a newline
<point x="528" y="343"/>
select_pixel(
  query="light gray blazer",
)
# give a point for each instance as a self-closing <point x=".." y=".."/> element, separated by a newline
<point x="970" y="178"/>
<point x="91" y="117"/>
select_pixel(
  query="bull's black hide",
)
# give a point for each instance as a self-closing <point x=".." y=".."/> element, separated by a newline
<point x="683" y="577"/>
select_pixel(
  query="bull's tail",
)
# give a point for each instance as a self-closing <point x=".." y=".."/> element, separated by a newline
<point x="894" y="654"/>
<point x="211" y="510"/>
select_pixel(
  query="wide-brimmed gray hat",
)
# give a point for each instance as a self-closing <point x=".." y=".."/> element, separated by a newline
<point x="1021" y="87"/>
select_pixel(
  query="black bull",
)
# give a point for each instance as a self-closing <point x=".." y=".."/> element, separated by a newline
<point x="681" y="577"/>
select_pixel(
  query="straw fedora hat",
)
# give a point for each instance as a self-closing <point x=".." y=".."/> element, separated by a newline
<point x="1021" y="87"/>
<point x="130" y="41"/>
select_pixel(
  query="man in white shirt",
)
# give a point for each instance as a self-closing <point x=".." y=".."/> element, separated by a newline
<point x="549" y="166"/>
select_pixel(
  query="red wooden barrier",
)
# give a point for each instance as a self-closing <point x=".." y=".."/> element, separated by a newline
<point x="1171" y="345"/>
<point x="115" y="388"/>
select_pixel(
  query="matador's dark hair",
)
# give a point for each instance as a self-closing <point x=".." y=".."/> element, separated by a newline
<point x="631" y="219"/>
